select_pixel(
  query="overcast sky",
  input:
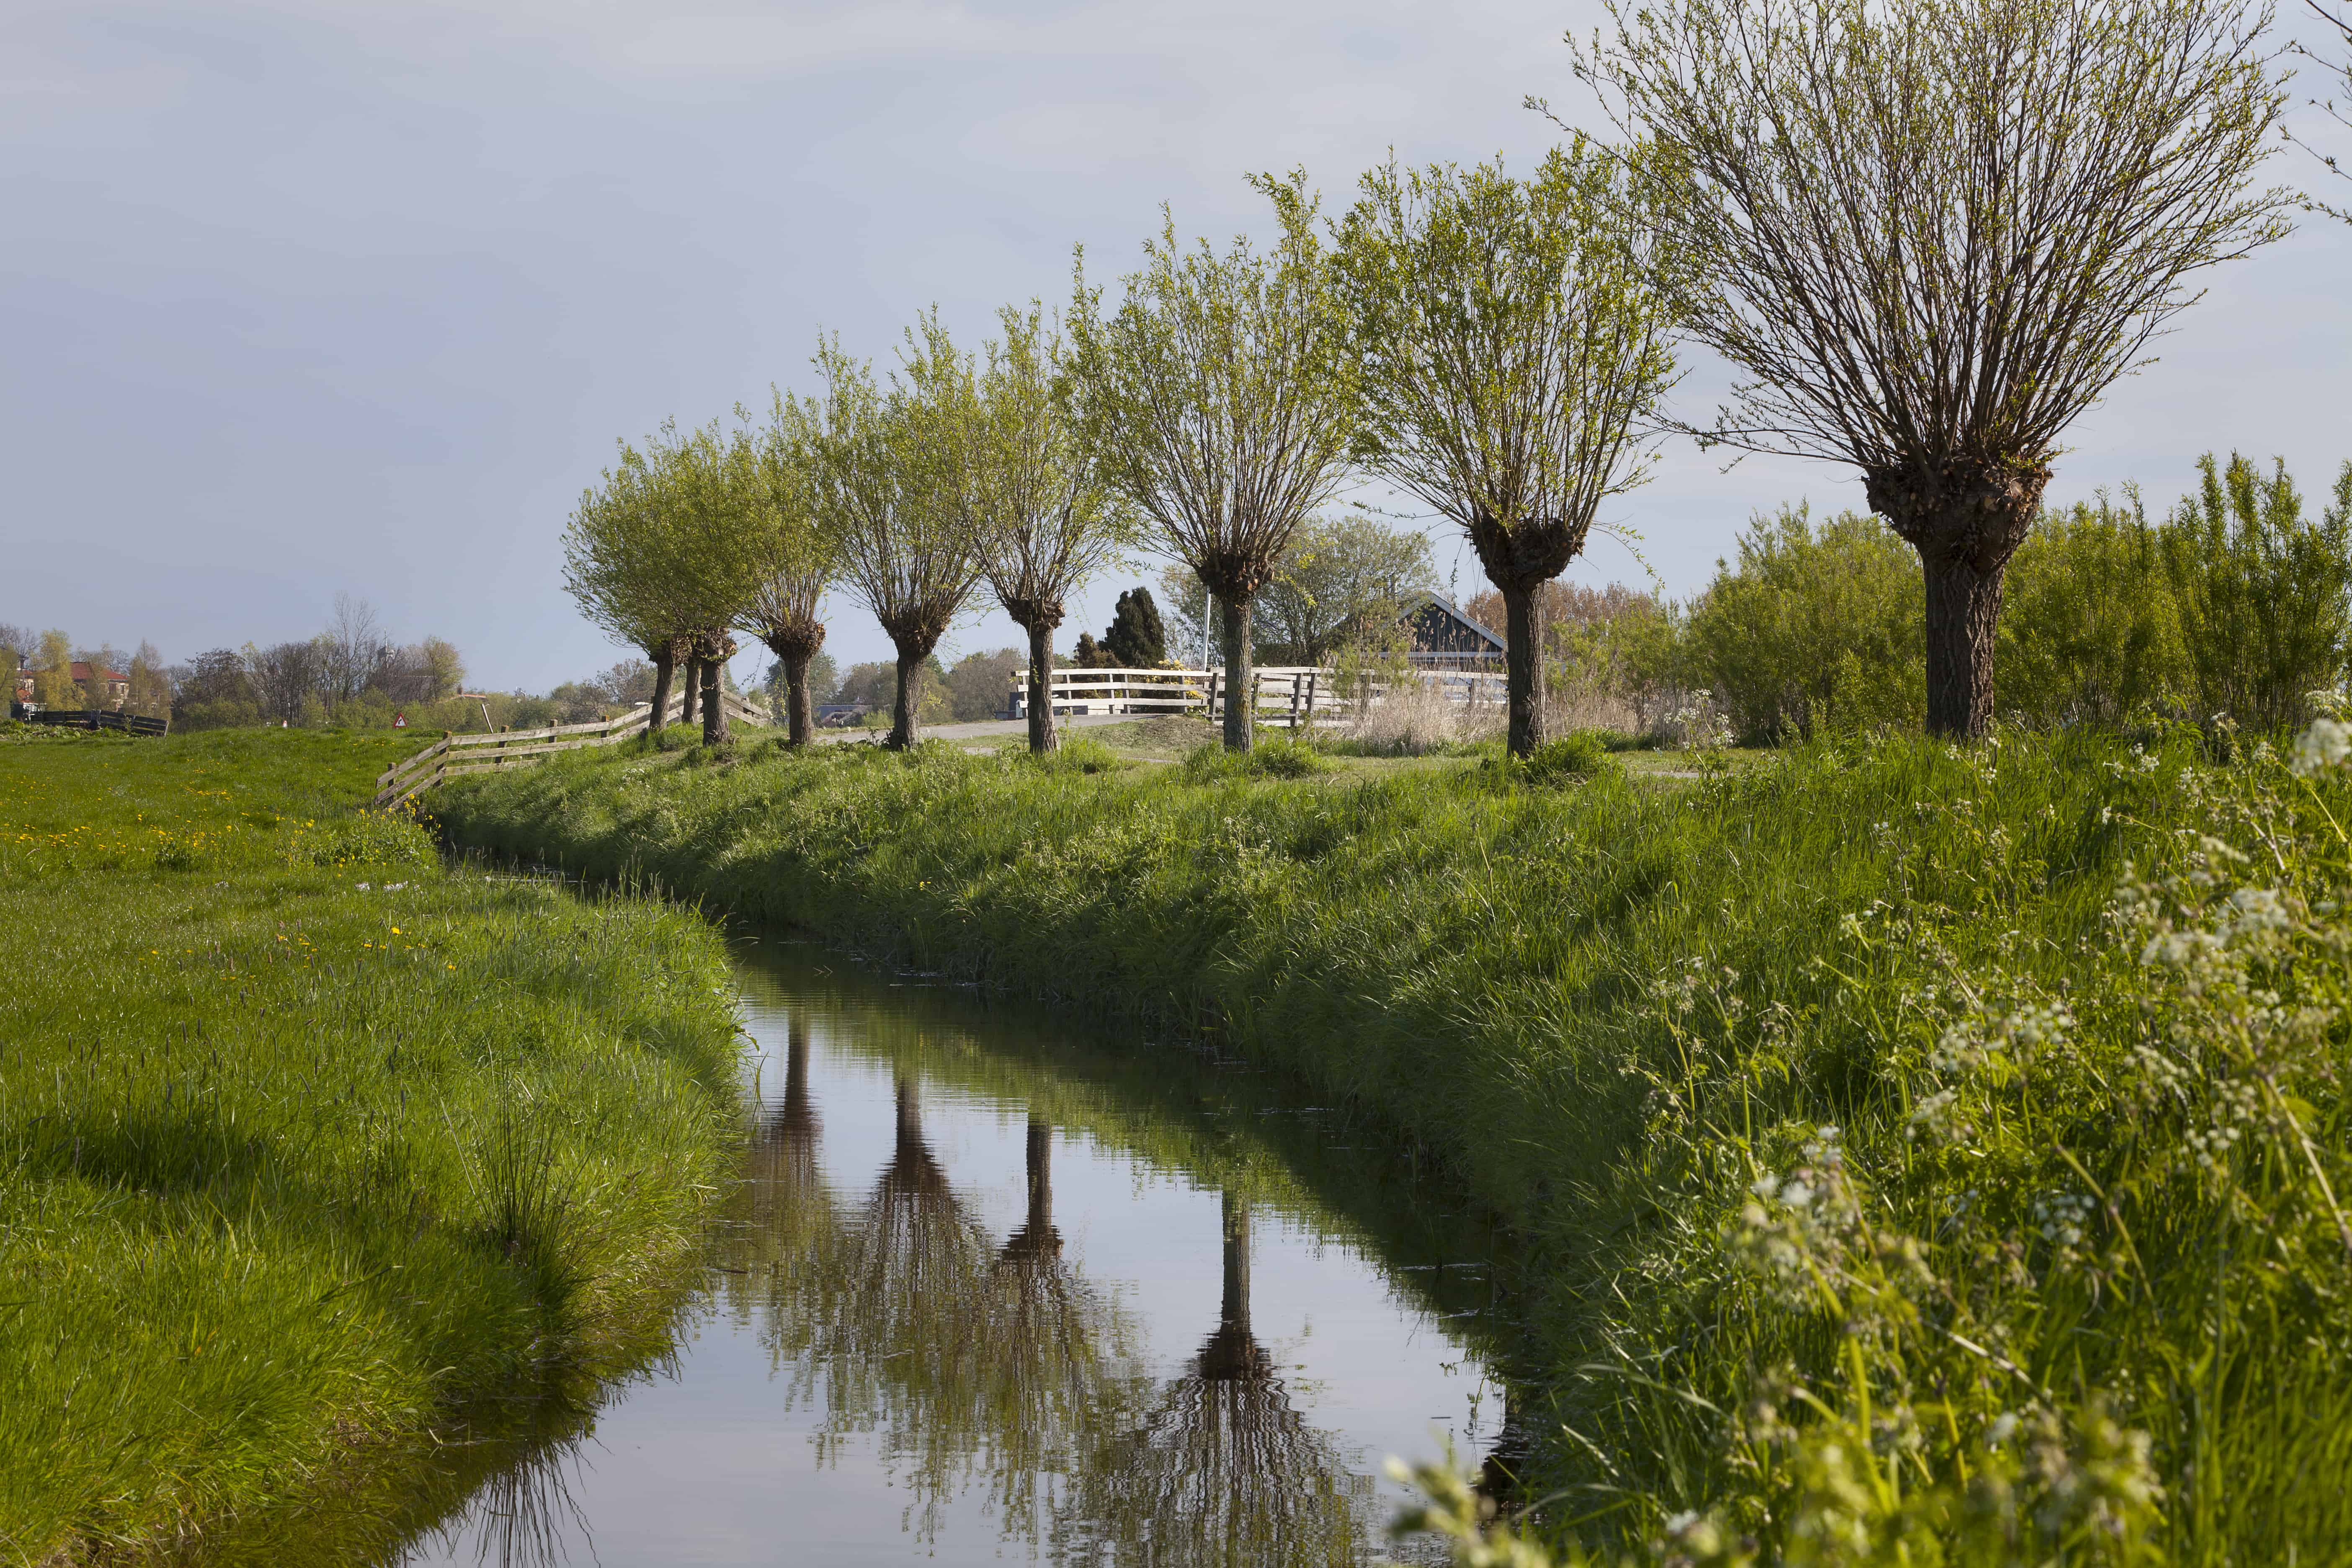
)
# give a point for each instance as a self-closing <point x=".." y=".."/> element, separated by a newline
<point x="305" y="296"/>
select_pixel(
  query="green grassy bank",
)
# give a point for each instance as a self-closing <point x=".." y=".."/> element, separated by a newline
<point x="313" y="1155"/>
<point x="1936" y="1156"/>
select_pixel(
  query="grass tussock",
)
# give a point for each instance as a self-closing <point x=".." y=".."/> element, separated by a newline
<point x="1941" y="1155"/>
<point x="1272" y="757"/>
<point x="309" y="1147"/>
<point x="1573" y="759"/>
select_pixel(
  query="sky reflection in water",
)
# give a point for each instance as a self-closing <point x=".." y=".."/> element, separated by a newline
<point x="993" y="1295"/>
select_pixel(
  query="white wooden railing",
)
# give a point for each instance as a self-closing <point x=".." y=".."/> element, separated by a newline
<point x="1286" y="694"/>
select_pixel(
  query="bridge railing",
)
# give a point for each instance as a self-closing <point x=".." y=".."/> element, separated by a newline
<point x="1296" y="695"/>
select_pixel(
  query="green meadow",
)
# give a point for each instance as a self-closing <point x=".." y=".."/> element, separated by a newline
<point x="1930" y="1155"/>
<point x="315" y="1154"/>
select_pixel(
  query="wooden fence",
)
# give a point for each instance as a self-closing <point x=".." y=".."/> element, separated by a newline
<point x="1295" y="695"/>
<point x="97" y="718"/>
<point x="452" y="755"/>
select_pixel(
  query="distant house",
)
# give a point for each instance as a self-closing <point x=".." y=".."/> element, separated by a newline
<point x="117" y="689"/>
<point x="1438" y="635"/>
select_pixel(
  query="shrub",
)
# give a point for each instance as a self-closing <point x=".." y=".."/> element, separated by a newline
<point x="1817" y="630"/>
<point x="2090" y="633"/>
<point x="2263" y="591"/>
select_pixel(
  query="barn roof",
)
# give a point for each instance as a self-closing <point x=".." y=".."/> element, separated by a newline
<point x="1451" y="612"/>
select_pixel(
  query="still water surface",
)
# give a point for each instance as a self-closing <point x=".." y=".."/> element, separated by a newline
<point x="993" y="1291"/>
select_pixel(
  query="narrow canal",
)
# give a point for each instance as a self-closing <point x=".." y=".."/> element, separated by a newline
<point x="996" y="1291"/>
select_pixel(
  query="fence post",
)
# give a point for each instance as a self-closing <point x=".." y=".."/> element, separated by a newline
<point x="1212" y="694"/>
<point x="1297" y="685"/>
<point x="1310" y="697"/>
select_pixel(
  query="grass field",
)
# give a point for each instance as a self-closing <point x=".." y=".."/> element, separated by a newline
<point x="314" y="1154"/>
<point x="1934" y="1155"/>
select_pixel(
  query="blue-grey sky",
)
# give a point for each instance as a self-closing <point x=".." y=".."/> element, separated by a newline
<point x="304" y="296"/>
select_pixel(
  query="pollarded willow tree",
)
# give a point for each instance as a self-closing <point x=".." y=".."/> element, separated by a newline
<point x="799" y="555"/>
<point x="1038" y="508"/>
<point x="1511" y="339"/>
<point x="887" y="467"/>
<point x="718" y="515"/>
<point x="1218" y="397"/>
<point x="612" y="567"/>
<point x="1929" y="234"/>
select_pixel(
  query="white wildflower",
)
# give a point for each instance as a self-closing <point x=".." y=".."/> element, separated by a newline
<point x="1932" y="1116"/>
<point x="2258" y="909"/>
<point x="2325" y="745"/>
<point x="2061" y="1218"/>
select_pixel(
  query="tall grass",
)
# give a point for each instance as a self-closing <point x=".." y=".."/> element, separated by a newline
<point x="1936" y="1154"/>
<point x="313" y="1153"/>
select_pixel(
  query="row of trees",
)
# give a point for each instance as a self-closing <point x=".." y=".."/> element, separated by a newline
<point x="1210" y="414"/>
<point x="906" y="491"/>
<point x="350" y="673"/>
<point x="2237" y="603"/>
<point x="353" y="672"/>
<point x="1926" y="235"/>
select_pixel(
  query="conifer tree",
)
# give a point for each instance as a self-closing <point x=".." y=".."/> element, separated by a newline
<point x="1136" y="639"/>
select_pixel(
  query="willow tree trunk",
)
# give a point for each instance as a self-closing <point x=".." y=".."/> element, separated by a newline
<point x="1966" y="517"/>
<point x="800" y="715"/>
<point x="907" y="701"/>
<point x="689" y="704"/>
<point x="714" y="706"/>
<point x="1043" y="736"/>
<point x="1963" y="616"/>
<point x="1523" y="682"/>
<point x="1519" y="559"/>
<point x="665" y="674"/>
<point x="1241" y="677"/>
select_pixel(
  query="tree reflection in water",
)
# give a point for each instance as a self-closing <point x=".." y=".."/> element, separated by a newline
<point x="995" y="1368"/>
<point x="1064" y="1363"/>
<point x="791" y="1227"/>
<point x="1222" y="1471"/>
<point x="967" y="1362"/>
